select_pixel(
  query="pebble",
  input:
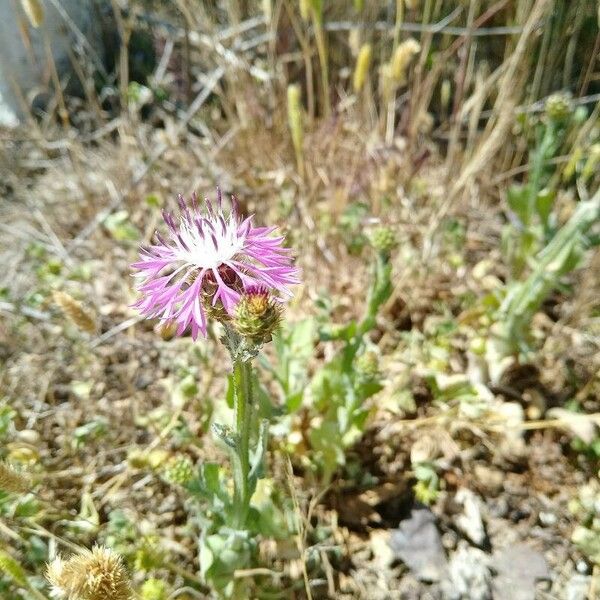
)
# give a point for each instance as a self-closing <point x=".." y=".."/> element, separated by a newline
<point x="547" y="519"/>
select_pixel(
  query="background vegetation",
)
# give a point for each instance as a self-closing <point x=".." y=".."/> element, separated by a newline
<point x="434" y="165"/>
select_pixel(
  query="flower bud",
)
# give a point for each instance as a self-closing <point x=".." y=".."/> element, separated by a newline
<point x="367" y="365"/>
<point x="257" y="315"/>
<point x="383" y="239"/>
<point x="179" y="470"/>
<point x="558" y="107"/>
<point x="154" y="589"/>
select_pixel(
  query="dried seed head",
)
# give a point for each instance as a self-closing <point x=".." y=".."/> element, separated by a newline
<point x="75" y="312"/>
<point x="363" y="62"/>
<point x="34" y="11"/>
<point x="167" y="330"/>
<point x="12" y="481"/>
<point x="257" y="315"/>
<point x="401" y="59"/>
<point x="98" y="574"/>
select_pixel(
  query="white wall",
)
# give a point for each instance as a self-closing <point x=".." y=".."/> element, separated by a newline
<point x="24" y="65"/>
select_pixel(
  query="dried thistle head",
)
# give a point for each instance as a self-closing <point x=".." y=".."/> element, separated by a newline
<point x="97" y="574"/>
<point x="12" y="481"/>
<point x="75" y="312"/>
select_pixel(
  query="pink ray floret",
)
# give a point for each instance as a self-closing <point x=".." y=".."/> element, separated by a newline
<point x="212" y="256"/>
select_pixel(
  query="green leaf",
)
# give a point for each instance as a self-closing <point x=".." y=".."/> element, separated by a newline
<point x="120" y="227"/>
<point x="544" y="203"/>
<point x="517" y="198"/>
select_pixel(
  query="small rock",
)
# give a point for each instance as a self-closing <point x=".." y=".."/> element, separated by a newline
<point x="518" y="568"/>
<point x="418" y="544"/>
<point x="547" y="519"/>
<point x="470" y="521"/>
<point x="29" y="436"/>
<point x="577" y="587"/>
<point x="469" y="576"/>
<point x="490" y="479"/>
<point x="383" y="555"/>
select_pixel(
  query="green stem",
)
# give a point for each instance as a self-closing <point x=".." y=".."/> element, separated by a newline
<point x="242" y="372"/>
<point x="379" y="292"/>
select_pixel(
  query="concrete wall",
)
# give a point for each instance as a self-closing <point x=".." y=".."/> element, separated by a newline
<point x="24" y="66"/>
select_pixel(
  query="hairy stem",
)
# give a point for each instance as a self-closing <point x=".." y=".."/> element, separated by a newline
<point x="242" y="373"/>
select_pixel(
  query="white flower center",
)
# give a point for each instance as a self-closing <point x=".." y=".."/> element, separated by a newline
<point x="212" y="247"/>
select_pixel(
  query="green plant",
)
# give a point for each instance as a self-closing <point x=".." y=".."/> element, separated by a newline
<point x="340" y="389"/>
<point x="531" y="203"/>
<point x="510" y="334"/>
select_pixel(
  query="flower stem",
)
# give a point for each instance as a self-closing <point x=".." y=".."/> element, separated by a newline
<point x="242" y="372"/>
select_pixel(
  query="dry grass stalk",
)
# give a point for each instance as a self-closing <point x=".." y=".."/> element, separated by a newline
<point x="75" y="312"/>
<point x="34" y="11"/>
<point x="98" y="574"/>
<point x="295" y="123"/>
<point x="12" y="481"/>
<point x="505" y="105"/>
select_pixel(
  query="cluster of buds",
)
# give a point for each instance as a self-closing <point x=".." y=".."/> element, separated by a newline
<point x="367" y="365"/>
<point x="558" y="107"/>
<point x="179" y="470"/>
<point x="384" y="240"/>
<point x="154" y="589"/>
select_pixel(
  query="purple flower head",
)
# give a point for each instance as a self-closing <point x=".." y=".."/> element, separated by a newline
<point x="209" y="259"/>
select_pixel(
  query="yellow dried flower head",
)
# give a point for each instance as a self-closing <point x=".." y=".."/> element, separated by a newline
<point x="34" y="11"/>
<point x="98" y="574"/>
<point x="401" y="59"/>
<point x="75" y="311"/>
<point x="12" y="481"/>
<point x="363" y="63"/>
